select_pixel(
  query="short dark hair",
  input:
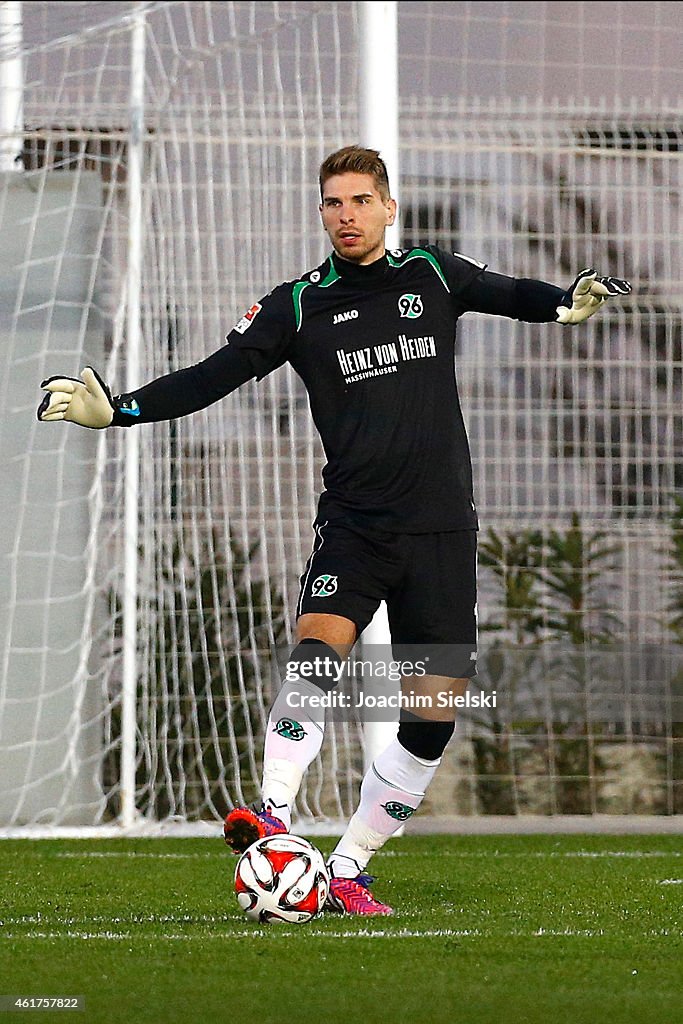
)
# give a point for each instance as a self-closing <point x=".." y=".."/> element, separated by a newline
<point x="356" y="160"/>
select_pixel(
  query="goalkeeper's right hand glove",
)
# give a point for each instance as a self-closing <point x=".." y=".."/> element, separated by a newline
<point x="87" y="401"/>
<point x="586" y="296"/>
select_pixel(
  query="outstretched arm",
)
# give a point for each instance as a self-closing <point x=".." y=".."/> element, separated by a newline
<point x="89" y="401"/>
<point x="256" y="345"/>
<point x="540" y="302"/>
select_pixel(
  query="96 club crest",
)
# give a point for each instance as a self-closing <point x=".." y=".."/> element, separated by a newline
<point x="324" y="586"/>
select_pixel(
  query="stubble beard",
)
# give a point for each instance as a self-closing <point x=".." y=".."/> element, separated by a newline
<point x="358" y="257"/>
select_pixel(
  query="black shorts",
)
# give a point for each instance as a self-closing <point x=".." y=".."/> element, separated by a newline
<point x="428" y="580"/>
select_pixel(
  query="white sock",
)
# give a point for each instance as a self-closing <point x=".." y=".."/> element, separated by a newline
<point x="294" y="735"/>
<point x="391" y="791"/>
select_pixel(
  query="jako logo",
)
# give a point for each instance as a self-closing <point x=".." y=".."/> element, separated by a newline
<point x="410" y="306"/>
<point x="247" y="320"/>
<point x="340" y="318"/>
<point x="324" y="586"/>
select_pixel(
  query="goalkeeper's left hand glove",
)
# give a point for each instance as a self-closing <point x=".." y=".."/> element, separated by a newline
<point x="586" y="296"/>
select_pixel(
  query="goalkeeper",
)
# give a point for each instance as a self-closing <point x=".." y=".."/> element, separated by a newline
<point x="371" y="334"/>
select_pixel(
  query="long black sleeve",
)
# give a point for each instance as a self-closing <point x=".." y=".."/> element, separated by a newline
<point x="256" y="345"/>
<point x="186" y="391"/>
<point x="517" y="298"/>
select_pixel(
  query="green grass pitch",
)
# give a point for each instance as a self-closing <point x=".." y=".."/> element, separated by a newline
<point x="488" y="929"/>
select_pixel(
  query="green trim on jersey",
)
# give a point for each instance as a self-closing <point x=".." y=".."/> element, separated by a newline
<point x="300" y="287"/>
<point x="332" y="276"/>
<point x="421" y="254"/>
<point x="297" y="290"/>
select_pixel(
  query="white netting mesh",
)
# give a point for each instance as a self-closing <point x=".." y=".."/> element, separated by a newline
<point x="242" y="102"/>
<point x="557" y="52"/>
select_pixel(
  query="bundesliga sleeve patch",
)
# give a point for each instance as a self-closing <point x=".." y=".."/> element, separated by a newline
<point x="247" y="320"/>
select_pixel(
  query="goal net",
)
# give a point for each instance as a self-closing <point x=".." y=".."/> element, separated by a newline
<point x="576" y="436"/>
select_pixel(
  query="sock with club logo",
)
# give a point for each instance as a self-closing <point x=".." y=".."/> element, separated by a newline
<point x="296" y="726"/>
<point x="391" y="792"/>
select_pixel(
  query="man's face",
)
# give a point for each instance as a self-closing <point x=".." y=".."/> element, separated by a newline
<point x="355" y="216"/>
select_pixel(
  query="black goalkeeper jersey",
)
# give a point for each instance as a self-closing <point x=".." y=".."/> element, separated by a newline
<point x="374" y="347"/>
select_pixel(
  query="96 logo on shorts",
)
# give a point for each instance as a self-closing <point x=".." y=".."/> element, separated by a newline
<point x="324" y="586"/>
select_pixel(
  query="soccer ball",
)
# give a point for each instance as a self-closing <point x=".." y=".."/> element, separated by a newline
<point x="281" y="878"/>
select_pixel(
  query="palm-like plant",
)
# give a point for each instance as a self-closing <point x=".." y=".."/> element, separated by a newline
<point x="675" y="625"/>
<point x="211" y="623"/>
<point x="574" y="575"/>
<point x="579" y="621"/>
<point x="554" y="608"/>
<point x="514" y="560"/>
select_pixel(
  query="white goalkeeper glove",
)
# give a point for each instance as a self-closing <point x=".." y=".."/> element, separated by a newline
<point x="586" y="296"/>
<point x="87" y="401"/>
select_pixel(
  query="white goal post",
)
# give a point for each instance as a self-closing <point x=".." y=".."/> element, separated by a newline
<point x="139" y="609"/>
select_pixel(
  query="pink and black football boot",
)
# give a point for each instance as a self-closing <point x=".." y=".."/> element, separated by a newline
<point x="353" y="896"/>
<point x="244" y="825"/>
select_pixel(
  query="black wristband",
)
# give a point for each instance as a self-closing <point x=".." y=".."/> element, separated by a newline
<point x="126" y="411"/>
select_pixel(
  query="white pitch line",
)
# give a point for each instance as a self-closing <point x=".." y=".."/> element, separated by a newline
<point x="464" y="854"/>
<point x="132" y="919"/>
<point x="550" y="854"/>
<point x="271" y="932"/>
<point x="274" y="932"/>
<point x="139" y="856"/>
<point x="590" y="933"/>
